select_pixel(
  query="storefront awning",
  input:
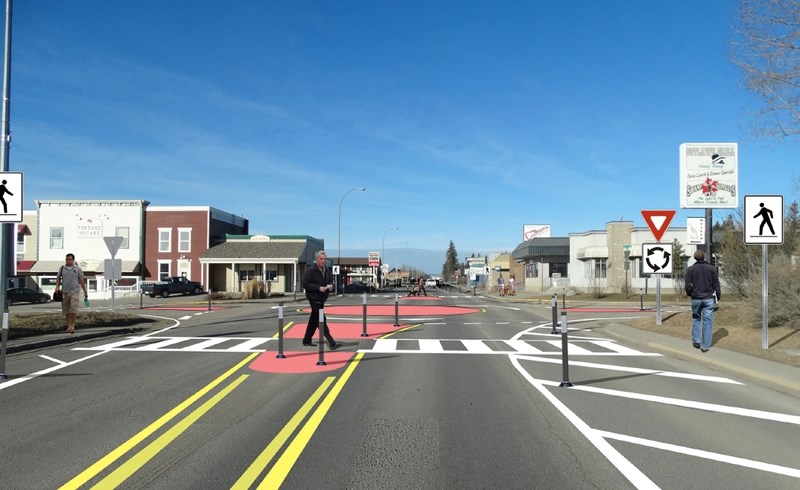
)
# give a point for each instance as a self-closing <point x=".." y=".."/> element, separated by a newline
<point x="128" y="267"/>
<point x="25" y="265"/>
<point x="46" y="266"/>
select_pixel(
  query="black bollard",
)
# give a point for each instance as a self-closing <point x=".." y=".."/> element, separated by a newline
<point x="141" y="295"/>
<point x="364" y="332"/>
<point x="321" y="361"/>
<point x="564" y="354"/>
<point x="396" y="310"/>
<point x="280" y="332"/>
<point x="554" y="308"/>
<point x="564" y="301"/>
<point x="641" y="301"/>
<point x="209" y="300"/>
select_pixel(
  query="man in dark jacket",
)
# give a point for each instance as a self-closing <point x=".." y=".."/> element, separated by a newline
<point x="702" y="284"/>
<point x="318" y="283"/>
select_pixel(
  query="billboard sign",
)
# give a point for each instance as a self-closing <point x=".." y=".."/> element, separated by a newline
<point x="709" y="175"/>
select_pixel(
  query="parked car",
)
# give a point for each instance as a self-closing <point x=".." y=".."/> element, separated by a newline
<point x="357" y="287"/>
<point x="431" y="283"/>
<point x="171" y="285"/>
<point x="26" y="295"/>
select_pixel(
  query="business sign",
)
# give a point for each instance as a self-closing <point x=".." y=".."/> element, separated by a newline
<point x="695" y="231"/>
<point x="657" y="258"/>
<point x="763" y="220"/>
<point x="709" y="175"/>
<point x="535" y="231"/>
<point x="374" y="259"/>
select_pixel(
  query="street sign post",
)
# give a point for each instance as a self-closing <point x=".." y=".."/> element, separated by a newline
<point x="113" y="243"/>
<point x="657" y="259"/>
<point x="763" y="224"/>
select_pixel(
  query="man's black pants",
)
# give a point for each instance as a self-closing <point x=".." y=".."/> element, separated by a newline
<point x="313" y="325"/>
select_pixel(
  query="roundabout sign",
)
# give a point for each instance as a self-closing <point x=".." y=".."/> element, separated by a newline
<point x="657" y="258"/>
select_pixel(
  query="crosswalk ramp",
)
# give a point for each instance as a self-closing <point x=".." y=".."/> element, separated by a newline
<point x="484" y="346"/>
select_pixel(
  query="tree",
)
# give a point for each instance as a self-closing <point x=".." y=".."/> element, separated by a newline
<point x="766" y="47"/>
<point x="450" y="263"/>
<point x="678" y="267"/>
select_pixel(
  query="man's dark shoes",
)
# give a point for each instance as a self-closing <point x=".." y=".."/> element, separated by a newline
<point x="309" y="344"/>
<point x="336" y="345"/>
<point x="703" y="350"/>
<point x="696" y="345"/>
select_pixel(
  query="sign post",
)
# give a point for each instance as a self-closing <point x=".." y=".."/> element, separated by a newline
<point x="763" y="224"/>
<point x="657" y="258"/>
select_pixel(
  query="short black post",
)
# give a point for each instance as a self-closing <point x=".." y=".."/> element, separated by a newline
<point x="141" y="295"/>
<point x="641" y="300"/>
<point x="280" y="332"/>
<point x="473" y="290"/>
<point x="564" y="301"/>
<point x="554" y="308"/>
<point x="396" y="310"/>
<point x="209" y="300"/>
<point x="564" y="353"/>
<point x="321" y="361"/>
<point x="364" y="331"/>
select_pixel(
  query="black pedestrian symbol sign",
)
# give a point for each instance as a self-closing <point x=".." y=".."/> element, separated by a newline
<point x="763" y="219"/>
<point x="766" y="219"/>
<point x="11" y="197"/>
<point x="657" y="258"/>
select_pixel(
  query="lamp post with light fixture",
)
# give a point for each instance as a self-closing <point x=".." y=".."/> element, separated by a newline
<point x="383" y="252"/>
<point x="339" y="242"/>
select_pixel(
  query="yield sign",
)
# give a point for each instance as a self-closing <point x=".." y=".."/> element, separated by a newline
<point x="658" y="221"/>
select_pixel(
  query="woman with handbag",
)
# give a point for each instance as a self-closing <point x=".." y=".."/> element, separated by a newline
<point x="69" y="282"/>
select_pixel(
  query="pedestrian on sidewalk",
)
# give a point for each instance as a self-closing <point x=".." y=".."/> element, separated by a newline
<point x="70" y="281"/>
<point x="500" y="282"/>
<point x="318" y="283"/>
<point x="702" y="285"/>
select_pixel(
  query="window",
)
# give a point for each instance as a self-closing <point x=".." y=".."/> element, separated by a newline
<point x="247" y="274"/>
<point x="20" y="246"/>
<point x="165" y="239"/>
<point x="124" y="232"/>
<point x="163" y="270"/>
<point x="532" y="269"/>
<point x="558" y="268"/>
<point x="56" y="238"/>
<point x="595" y="268"/>
<point x="184" y="240"/>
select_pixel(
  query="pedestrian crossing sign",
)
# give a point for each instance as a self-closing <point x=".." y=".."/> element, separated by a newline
<point x="763" y="220"/>
<point x="10" y="197"/>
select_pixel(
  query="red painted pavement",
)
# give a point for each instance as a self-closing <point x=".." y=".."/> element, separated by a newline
<point x="344" y="330"/>
<point x="184" y="308"/>
<point x="301" y="361"/>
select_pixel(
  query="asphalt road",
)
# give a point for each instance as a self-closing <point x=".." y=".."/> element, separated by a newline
<point x="465" y="394"/>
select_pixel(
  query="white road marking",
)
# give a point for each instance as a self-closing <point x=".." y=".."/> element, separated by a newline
<point x="52" y="359"/>
<point x="687" y="451"/>
<point x="8" y="384"/>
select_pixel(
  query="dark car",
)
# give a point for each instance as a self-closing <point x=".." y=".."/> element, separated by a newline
<point x="26" y="295"/>
<point x="357" y="287"/>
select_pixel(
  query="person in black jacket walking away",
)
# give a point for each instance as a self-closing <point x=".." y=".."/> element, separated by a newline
<point x="318" y="283"/>
<point x="702" y="284"/>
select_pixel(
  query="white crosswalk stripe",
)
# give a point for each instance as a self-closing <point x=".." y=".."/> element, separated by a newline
<point x="500" y="346"/>
<point x="187" y="344"/>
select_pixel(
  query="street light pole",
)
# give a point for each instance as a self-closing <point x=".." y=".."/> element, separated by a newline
<point x="383" y="252"/>
<point x="339" y="242"/>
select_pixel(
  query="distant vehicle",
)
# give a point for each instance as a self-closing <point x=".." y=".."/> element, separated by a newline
<point x="431" y="283"/>
<point x="357" y="287"/>
<point x="172" y="285"/>
<point x="26" y="295"/>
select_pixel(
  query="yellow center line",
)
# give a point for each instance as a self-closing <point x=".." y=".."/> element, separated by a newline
<point x="400" y="330"/>
<point x="263" y="459"/>
<point x="146" y="454"/>
<point x="117" y="453"/>
<point x="285" y="328"/>
<point x="278" y="473"/>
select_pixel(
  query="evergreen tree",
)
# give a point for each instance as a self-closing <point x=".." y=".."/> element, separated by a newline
<point x="450" y="263"/>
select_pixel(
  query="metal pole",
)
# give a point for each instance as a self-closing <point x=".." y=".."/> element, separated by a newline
<point x="5" y="228"/>
<point x="641" y="300"/>
<point x="113" y="272"/>
<point x="280" y="332"/>
<point x="141" y="298"/>
<point x="764" y="298"/>
<point x="364" y="332"/>
<point x="396" y="310"/>
<point x="554" y="309"/>
<point x="564" y="300"/>
<point x="321" y="361"/>
<point x="658" y="299"/>
<point x="564" y="354"/>
<point x="339" y="239"/>
<point x="209" y="300"/>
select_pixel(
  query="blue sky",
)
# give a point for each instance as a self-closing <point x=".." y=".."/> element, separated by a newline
<point x="463" y="120"/>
